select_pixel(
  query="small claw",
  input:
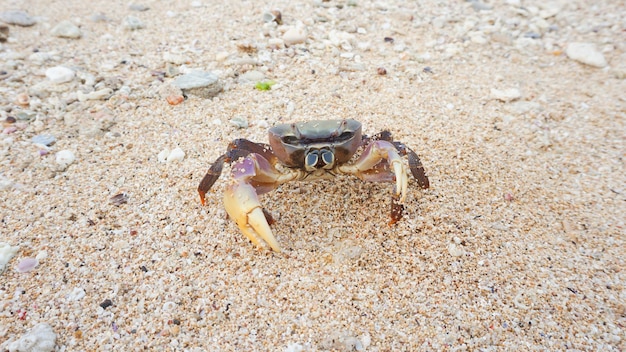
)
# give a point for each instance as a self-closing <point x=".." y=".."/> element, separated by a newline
<point x="242" y="204"/>
<point x="401" y="179"/>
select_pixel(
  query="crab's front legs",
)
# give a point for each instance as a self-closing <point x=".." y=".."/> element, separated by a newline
<point x="251" y="176"/>
<point x="380" y="162"/>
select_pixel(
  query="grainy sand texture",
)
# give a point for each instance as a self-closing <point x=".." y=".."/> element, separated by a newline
<point x="516" y="108"/>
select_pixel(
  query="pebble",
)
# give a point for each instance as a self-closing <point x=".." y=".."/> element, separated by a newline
<point x="5" y="183"/>
<point x="17" y="17"/>
<point x="101" y="94"/>
<point x="65" y="158"/>
<point x="239" y="122"/>
<point x="138" y="7"/>
<point x="41" y="338"/>
<point x="586" y="53"/>
<point x="176" y="154"/>
<point x="77" y="294"/>
<point x="4" y="33"/>
<point x="66" y="29"/>
<point x="200" y="83"/>
<point x="44" y="139"/>
<point x="294" y="36"/>
<point x="6" y="253"/>
<point x="59" y="74"/>
<point x="252" y="76"/>
<point x="506" y="95"/>
<point x="132" y="23"/>
<point x="455" y="250"/>
<point x="27" y="264"/>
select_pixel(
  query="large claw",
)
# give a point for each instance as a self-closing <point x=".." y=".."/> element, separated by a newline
<point x="242" y="204"/>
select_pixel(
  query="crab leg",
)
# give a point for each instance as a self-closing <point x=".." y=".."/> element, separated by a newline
<point x="369" y="168"/>
<point x="238" y="148"/>
<point x="251" y="176"/>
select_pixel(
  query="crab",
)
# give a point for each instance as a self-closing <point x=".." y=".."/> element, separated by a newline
<point x="308" y="151"/>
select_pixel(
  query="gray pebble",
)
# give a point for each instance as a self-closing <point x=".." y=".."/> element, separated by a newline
<point x="138" y="7"/>
<point x="66" y="29"/>
<point x="200" y="83"/>
<point x="17" y="17"/>
<point x="132" y="23"/>
<point x="4" y="33"/>
<point x="44" y="139"/>
<point x="239" y="122"/>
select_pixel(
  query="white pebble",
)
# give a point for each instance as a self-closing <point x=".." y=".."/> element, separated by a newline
<point x="65" y="158"/>
<point x="455" y="251"/>
<point x="176" y="154"/>
<point x="586" y="53"/>
<point x="506" y="95"/>
<point x="77" y="293"/>
<point x="41" y="338"/>
<point x="5" y="183"/>
<point x="41" y="255"/>
<point x="294" y="36"/>
<point x="59" y="74"/>
<point x="6" y="253"/>
<point x="66" y="29"/>
<point x="162" y="156"/>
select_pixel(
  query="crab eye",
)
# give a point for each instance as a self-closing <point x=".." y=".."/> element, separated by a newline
<point x="328" y="158"/>
<point x="311" y="160"/>
<point x="290" y="140"/>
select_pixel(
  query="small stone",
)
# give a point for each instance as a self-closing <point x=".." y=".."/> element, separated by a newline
<point x="101" y="94"/>
<point x="203" y="84"/>
<point x="106" y="303"/>
<point x="586" y="53"/>
<point x="77" y="294"/>
<point x="480" y="6"/>
<point x="132" y="23"/>
<point x="175" y="99"/>
<point x="252" y="76"/>
<point x="5" y="183"/>
<point x="176" y="154"/>
<point x="273" y="16"/>
<point x="294" y="36"/>
<point x="455" y="250"/>
<point x="59" y="74"/>
<point x="65" y="158"/>
<point x="506" y="95"/>
<point x="44" y="139"/>
<point x="17" y="17"/>
<point x="27" y="264"/>
<point x="66" y="29"/>
<point x="162" y="156"/>
<point x="138" y="7"/>
<point x="6" y="253"/>
<point x="41" y="338"/>
<point x="22" y="99"/>
<point x="4" y="33"/>
<point x="239" y="122"/>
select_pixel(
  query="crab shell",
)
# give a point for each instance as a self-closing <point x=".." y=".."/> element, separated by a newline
<point x="315" y="144"/>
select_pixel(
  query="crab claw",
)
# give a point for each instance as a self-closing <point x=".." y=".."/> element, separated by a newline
<point x="242" y="204"/>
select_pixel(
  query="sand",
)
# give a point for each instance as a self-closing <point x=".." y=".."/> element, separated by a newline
<point x="519" y="244"/>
